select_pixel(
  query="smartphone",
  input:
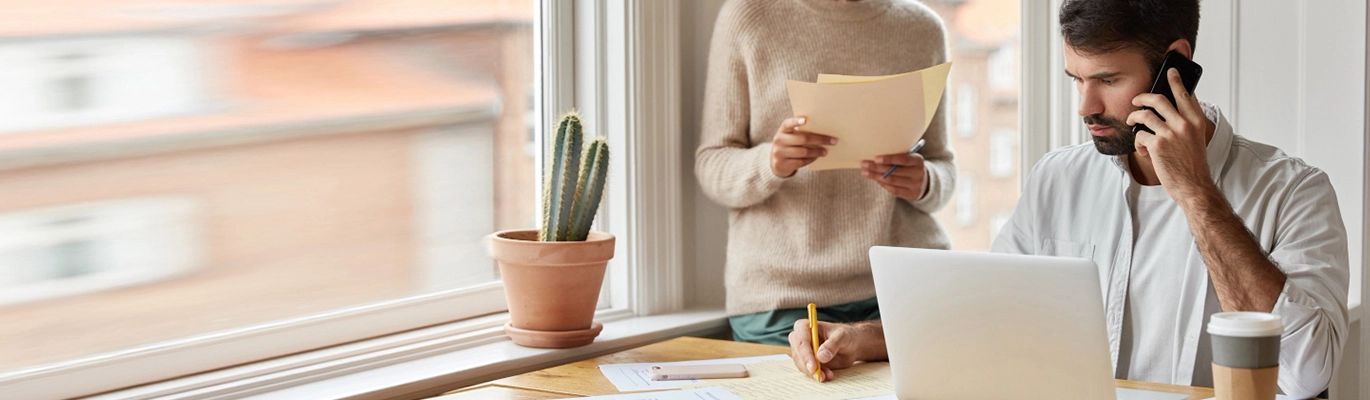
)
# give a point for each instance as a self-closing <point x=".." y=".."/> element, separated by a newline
<point x="677" y="372"/>
<point x="1189" y="74"/>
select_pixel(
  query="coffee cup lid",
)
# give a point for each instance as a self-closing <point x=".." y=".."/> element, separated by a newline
<point x="1245" y="324"/>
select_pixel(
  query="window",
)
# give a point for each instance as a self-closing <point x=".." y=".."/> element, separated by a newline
<point x="233" y="190"/>
<point x="1002" y="147"/>
<point x="1003" y="71"/>
<point x="66" y="251"/>
<point x="965" y="109"/>
<point x="53" y="81"/>
<point x="983" y="42"/>
<point x="71" y="91"/>
<point x="966" y="201"/>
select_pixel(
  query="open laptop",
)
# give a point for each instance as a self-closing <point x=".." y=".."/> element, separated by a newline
<point x="964" y="325"/>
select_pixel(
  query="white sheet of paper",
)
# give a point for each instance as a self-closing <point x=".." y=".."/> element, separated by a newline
<point x="704" y="393"/>
<point x="1123" y="394"/>
<point x="1277" y="397"/>
<point x="633" y="377"/>
<point x="779" y="380"/>
<point x="1135" y="394"/>
<point x="869" y="115"/>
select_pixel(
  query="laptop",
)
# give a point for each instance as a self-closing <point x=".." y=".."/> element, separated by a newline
<point x="968" y="325"/>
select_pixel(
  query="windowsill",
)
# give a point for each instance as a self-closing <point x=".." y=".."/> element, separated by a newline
<point x="491" y="357"/>
<point x="481" y="353"/>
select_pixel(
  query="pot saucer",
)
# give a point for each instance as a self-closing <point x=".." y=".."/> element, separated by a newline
<point x="553" y="339"/>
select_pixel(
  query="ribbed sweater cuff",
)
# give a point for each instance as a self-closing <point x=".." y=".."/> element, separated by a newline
<point x="761" y="162"/>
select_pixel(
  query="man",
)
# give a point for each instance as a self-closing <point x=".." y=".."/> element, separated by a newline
<point x="1184" y="222"/>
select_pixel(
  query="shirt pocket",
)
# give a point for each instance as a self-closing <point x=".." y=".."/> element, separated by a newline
<point x="1061" y="248"/>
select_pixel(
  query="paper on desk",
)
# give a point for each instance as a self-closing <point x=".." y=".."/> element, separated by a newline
<point x="779" y="380"/>
<point x="870" y="115"/>
<point x="703" y="393"/>
<point x="1123" y="394"/>
<point x="1137" y="394"/>
<point x="1277" y="397"/>
<point x="634" y="377"/>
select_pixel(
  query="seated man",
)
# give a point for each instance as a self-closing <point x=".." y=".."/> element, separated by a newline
<point x="1186" y="222"/>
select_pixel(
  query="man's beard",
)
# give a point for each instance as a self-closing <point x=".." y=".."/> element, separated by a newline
<point x="1121" y="142"/>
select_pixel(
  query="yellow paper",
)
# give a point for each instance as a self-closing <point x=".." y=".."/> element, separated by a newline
<point x="870" y="115"/>
<point x="780" y="380"/>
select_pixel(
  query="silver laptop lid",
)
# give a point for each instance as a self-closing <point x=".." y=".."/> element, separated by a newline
<point x="967" y="325"/>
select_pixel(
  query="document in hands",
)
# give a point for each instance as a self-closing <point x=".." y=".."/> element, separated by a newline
<point x="869" y="115"/>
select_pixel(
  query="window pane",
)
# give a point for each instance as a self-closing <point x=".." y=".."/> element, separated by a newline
<point x="175" y="168"/>
<point x="984" y="48"/>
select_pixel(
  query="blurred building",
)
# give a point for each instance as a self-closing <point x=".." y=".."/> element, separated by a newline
<point x="177" y="167"/>
<point x="982" y="117"/>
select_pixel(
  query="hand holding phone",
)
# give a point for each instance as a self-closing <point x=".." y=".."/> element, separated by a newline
<point x="1189" y="73"/>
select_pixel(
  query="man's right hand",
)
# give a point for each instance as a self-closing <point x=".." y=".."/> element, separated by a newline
<point x="843" y="345"/>
<point x="792" y="149"/>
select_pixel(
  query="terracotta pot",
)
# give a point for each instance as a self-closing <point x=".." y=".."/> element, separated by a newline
<point x="552" y="287"/>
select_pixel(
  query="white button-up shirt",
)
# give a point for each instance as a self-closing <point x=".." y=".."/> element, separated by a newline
<point x="1075" y="204"/>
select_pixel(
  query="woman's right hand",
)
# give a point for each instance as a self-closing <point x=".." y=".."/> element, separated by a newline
<point x="792" y="149"/>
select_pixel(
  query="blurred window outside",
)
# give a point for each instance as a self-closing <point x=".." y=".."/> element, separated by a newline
<point x="983" y="36"/>
<point x="194" y="174"/>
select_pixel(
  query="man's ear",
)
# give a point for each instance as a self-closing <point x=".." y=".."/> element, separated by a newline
<point x="1183" y="47"/>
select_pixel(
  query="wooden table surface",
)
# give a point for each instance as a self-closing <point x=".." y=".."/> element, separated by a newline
<point x="582" y="378"/>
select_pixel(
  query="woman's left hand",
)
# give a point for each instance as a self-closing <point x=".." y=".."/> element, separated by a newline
<point x="907" y="182"/>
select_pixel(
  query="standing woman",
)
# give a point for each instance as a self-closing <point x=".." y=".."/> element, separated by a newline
<point x="797" y="236"/>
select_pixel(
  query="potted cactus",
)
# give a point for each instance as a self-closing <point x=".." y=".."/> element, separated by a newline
<point x="552" y="275"/>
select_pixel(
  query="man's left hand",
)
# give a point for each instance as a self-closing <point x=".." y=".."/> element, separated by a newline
<point x="1179" y="146"/>
<point x="907" y="181"/>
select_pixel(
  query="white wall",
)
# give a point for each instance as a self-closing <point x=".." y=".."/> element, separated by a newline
<point x="1293" y="74"/>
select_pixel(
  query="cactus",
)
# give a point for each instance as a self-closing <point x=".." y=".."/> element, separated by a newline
<point x="574" y="183"/>
<point x="563" y="159"/>
<point x="594" y="171"/>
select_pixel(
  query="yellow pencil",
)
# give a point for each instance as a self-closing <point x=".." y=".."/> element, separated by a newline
<point x="813" y="328"/>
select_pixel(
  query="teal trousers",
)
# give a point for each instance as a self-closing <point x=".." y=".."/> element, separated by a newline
<point x="773" y="327"/>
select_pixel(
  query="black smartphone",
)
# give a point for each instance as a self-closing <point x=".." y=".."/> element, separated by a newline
<point x="1189" y="74"/>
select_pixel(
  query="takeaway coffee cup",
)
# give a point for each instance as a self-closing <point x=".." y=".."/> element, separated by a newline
<point x="1246" y="355"/>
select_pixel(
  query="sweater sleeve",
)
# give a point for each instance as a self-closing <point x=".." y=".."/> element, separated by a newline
<point x="732" y="170"/>
<point x="937" y="153"/>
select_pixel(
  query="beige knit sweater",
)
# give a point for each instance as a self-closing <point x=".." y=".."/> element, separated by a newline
<point x="802" y="239"/>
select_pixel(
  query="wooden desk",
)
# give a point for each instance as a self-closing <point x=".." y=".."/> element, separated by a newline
<point x="582" y="378"/>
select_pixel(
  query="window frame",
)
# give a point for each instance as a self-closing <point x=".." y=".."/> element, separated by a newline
<point x="1046" y="112"/>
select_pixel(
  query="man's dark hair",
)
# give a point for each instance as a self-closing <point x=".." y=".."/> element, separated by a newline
<point x="1149" y="26"/>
